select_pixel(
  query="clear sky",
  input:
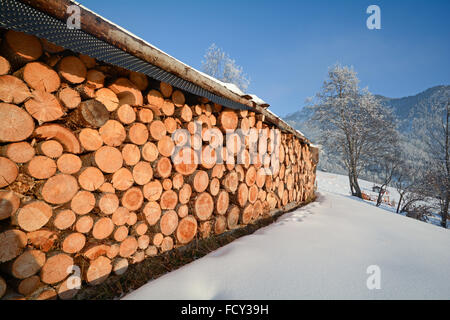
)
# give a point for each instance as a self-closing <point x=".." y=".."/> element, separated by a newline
<point x="286" y="47"/>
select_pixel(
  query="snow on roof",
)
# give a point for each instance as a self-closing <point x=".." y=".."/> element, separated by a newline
<point x="257" y="99"/>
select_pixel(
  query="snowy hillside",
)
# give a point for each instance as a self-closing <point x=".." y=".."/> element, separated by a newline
<point x="320" y="251"/>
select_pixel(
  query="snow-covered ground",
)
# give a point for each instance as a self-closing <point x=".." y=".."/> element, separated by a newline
<point x="320" y="251"/>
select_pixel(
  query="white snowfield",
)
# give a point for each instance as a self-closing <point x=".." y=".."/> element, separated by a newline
<point x="320" y="251"/>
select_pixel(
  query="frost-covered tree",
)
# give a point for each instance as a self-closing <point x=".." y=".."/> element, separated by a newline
<point x="219" y="65"/>
<point x="432" y="127"/>
<point x="353" y="123"/>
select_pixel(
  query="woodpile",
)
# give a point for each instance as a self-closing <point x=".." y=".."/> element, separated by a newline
<point x="101" y="168"/>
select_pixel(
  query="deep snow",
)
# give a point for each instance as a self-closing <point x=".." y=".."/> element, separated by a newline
<point x="320" y="251"/>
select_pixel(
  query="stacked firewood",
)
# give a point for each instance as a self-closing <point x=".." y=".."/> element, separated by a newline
<point x="101" y="167"/>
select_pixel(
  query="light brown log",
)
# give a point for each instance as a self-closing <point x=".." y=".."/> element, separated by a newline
<point x="171" y="124"/>
<point x="42" y="239"/>
<point x="166" y="244"/>
<point x="132" y="199"/>
<point x="83" y="202"/>
<point x="8" y="172"/>
<point x="182" y="210"/>
<point x="90" y="113"/>
<point x="152" y="212"/>
<point x="59" y="189"/>
<point x="39" y="76"/>
<point x="73" y="243"/>
<point x="132" y="218"/>
<point x="143" y="241"/>
<point x="113" y="251"/>
<point x="108" y="203"/>
<point x="103" y="228"/>
<point x="64" y="219"/>
<point x="214" y="186"/>
<point x="68" y="163"/>
<point x="93" y="251"/>
<point x="169" y="200"/>
<point x="50" y="148"/>
<point x="169" y="222"/>
<point x="86" y="92"/>
<point x="9" y="203"/>
<point x="19" y="47"/>
<point x="90" y="178"/>
<point x="155" y="98"/>
<point x="107" y="187"/>
<point x="166" y="146"/>
<point x="177" y="181"/>
<point x="122" y="179"/>
<point x="167" y="184"/>
<point x="113" y="133"/>
<point x="203" y="206"/>
<point x="163" y="167"/>
<point x="56" y="268"/>
<point x="95" y="78"/>
<point x="125" y="114"/>
<point x="166" y="89"/>
<point x="150" y="152"/>
<point x="187" y="229"/>
<point x="5" y="66"/>
<point x="228" y="120"/>
<point x="185" y="161"/>
<point x="19" y="152"/>
<point x="120" y="266"/>
<point x="121" y="233"/>
<point x="222" y="202"/>
<point x="208" y="157"/>
<point x="199" y="180"/>
<point x="12" y="243"/>
<point x="250" y="176"/>
<point x="231" y="181"/>
<point x="157" y="130"/>
<point x="15" y="123"/>
<point x="152" y="190"/>
<point x="181" y="137"/>
<point x="157" y="239"/>
<point x="253" y="194"/>
<point x="131" y="154"/>
<point x="184" y="113"/>
<point x="218" y="171"/>
<point x="98" y="271"/>
<point x="120" y="216"/>
<point x="247" y="214"/>
<point x="257" y="210"/>
<point x="88" y="61"/>
<point x="220" y="225"/>
<point x="233" y="217"/>
<point x="33" y="215"/>
<point x="54" y="131"/>
<point x="138" y="133"/>
<point x="184" y="194"/>
<point x="44" y="106"/>
<point x="205" y="229"/>
<point x="145" y="115"/>
<point x="13" y="90"/>
<point x="128" y="247"/>
<point x="108" y="98"/>
<point x="151" y="251"/>
<point x="72" y="69"/>
<point x="41" y="167"/>
<point x="29" y="285"/>
<point x="140" y="228"/>
<point x="168" y="108"/>
<point x="124" y="88"/>
<point x="178" y="98"/>
<point x="66" y="290"/>
<point x="108" y="159"/>
<point x="142" y="173"/>
<point x="139" y="80"/>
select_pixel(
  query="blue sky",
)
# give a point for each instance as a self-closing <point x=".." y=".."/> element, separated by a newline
<point x="286" y="47"/>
